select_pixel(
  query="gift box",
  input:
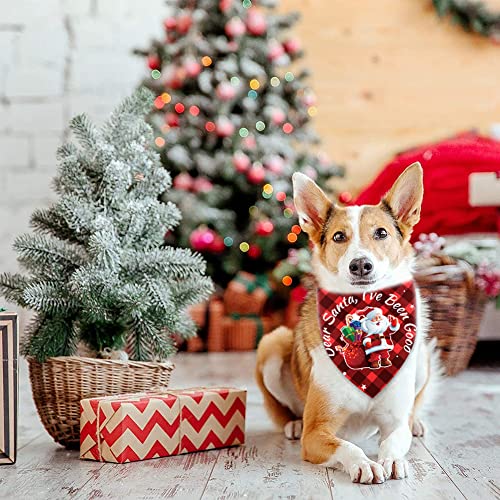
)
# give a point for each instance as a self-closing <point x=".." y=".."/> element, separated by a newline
<point x="247" y="294"/>
<point x="215" y="340"/>
<point x="8" y="387"/>
<point x="198" y="313"/>
<point x="242" y="332"/>
<point x="135" y="427"/>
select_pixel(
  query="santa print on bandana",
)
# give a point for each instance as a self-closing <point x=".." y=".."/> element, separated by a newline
<point x="369" y="336"/>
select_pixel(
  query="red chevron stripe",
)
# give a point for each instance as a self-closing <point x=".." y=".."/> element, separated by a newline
<point x="89" y="429"/>
<point x="199" y="395"/>
<point x="127" y="455"/>
<point x="142" y="403"/>
<point x="157" y="450"/>
<point x="237" y="436"/>
<point x="213" y="409"/>
<point x="141" y="434"/>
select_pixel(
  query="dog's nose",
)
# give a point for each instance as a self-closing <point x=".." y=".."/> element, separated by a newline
<point x="361" y="267"/>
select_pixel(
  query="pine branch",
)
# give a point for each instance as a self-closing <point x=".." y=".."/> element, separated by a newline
<point x="192" y="291"/>
<point x="46" y="220"/>
<point x="48" y="337"/>
<point x="168" y="263"/>
<point x="84" y="130"/>
<point x="40" y="253"/>
<point x="50" y="298"/>
<point x="12" y="287"/>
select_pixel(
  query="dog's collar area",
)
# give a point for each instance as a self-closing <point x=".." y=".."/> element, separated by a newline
<point x="385" y="290"/>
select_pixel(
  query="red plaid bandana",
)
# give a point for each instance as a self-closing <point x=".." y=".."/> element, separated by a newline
<point x="369" y="336"/>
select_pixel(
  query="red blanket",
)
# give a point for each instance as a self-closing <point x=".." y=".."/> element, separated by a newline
<point x="447" y="166"/>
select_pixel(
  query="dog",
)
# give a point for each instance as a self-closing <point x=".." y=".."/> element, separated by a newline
<point x="356" y="250"/>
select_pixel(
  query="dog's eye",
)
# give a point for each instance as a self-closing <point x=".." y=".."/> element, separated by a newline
<point x="380" y="234"/>
<point x="339" y="237"/>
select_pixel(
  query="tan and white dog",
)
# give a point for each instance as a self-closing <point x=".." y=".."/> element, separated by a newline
<point x="356" y="249"/>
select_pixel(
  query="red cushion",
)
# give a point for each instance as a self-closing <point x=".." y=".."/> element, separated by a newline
<point x="447" y="166"/>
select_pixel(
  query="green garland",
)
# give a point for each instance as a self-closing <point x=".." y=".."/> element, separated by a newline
<point x="474" y="17"/>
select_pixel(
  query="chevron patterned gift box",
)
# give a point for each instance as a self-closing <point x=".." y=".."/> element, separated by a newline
<point x="133" y="427"/>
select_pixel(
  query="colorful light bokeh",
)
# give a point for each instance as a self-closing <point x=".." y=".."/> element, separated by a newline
<point x="206" y="61"/>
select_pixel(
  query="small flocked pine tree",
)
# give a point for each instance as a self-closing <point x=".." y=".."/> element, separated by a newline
<point x="97" y="267"/>
<point x="232" y="125"/>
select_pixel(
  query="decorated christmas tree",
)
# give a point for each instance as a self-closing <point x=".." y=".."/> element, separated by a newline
<point x="232" y="124"/>
<point x="97" y="267"/>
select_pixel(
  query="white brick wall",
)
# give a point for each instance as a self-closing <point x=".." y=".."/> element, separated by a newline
<point x="59" y="58"/>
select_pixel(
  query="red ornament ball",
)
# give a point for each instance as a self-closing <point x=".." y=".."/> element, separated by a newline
<point x="310" y="172"/>
<point x="278" y="116"/>
<point x="175" y="78"/>
<point x="264" y="227"/>
<point x="275" y="164"/>
<point x="309" y="99"/>
<point x="202" y="239"/>
<point x="218" y="245"/>
<point x="225" y="91"/>
<point x="235" y="27"/>
<point x="224" y="127"/>
<point x="256" y="22"/>
<point x="254" y="252"/>
<point x="241" y="161"/>
<point x="345" y="197"/>
<point x="202" y="185"/>
<point x="275" y="50"/>
<point x="249" y="142"/>
<point x="172" y="119"/>
<point x="225" y="5"/>
<point x="292" y="46"/>
<point x="183" y="181"/>
<point x="154" y="62"/>
<point x="192" y="67"/>
<point x="170" y="23"/>
<point x="256" y="174"/>
<point x="184" y="23"/>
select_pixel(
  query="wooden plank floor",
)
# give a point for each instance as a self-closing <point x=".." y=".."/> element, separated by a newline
<point x="459" y="459"/>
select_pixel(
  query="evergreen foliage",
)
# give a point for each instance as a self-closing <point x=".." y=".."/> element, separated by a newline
<point x="232" y="123"/>
<point x="96" y="266"/>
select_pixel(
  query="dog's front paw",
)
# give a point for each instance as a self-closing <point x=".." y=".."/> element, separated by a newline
<point x="366" y="472"/>
<point x="417" y="428"/>
<point x="395" y="468"/>
<point x="293" y="429"/>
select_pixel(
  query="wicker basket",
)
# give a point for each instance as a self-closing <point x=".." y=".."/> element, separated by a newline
<point x="456" y="308"/>
<point x="60" y="383"/>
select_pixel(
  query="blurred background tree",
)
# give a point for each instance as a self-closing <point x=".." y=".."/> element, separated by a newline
<point x="232" y="123"/>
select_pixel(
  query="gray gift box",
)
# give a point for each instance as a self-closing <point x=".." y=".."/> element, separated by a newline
<point x="9" y="346"/>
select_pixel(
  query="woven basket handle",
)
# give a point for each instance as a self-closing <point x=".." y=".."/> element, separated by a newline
<point x="441" y="259"/>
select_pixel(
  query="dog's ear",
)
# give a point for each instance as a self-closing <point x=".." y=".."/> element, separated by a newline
<point x="311" y="203"/>
<point x="404" y="200"/>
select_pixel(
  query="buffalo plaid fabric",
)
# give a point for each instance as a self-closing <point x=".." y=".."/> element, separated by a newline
<point x="398" y="302"/>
